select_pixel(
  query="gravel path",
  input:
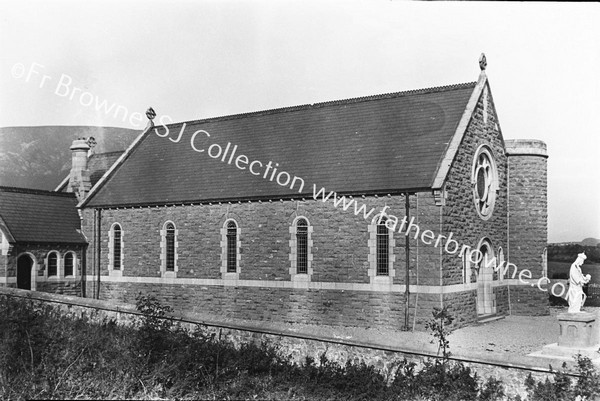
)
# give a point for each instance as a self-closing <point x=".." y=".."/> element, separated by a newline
<point x="510" y="336"/>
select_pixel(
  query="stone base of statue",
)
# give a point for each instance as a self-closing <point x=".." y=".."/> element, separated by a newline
<point x="579" y="334"/>
<point x="577" y="330"/>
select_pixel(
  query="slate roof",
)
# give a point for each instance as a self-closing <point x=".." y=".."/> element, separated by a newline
<point x="98" y="164"/>
<point x="37" y="216"/>
<point x="377" y="144"/>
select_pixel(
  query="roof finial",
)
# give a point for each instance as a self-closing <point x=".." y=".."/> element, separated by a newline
<point x="150" y="113"/>
<point x="91" y="141"/>
<point x="482" y="62"/>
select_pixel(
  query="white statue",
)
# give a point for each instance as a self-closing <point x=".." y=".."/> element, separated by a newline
<point x="575" y="295"/>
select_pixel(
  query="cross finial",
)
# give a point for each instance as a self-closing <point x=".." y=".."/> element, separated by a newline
<point x="482" y="62"/>
<point x="150" y="113"/>
<point x="91" y="141"/>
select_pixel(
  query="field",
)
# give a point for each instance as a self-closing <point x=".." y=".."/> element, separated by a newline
<point x="560" y="270"/>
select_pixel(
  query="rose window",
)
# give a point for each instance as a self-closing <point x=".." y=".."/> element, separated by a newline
<point x="485" y="183"/>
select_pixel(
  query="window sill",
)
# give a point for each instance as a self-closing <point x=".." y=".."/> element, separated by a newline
<point x="382" y="280"/>
<point x="230" y="276"/>
<point x="301" y="277"/>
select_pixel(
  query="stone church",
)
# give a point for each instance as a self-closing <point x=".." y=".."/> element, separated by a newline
<point x="340" y="213"/>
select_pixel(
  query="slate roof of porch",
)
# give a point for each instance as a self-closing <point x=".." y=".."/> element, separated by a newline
<point x="36" y="216"/>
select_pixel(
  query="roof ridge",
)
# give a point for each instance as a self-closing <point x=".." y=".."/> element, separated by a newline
<point x="107" y="153"/>
<point x="69" y="126"/>
<point x="36" y="191"/>
<point x="389" y="95"/>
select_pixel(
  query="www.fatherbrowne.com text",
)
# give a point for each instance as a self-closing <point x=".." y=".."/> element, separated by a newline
<point x="269" y="171"/>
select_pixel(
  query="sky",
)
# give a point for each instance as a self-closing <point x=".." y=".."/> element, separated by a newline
<point x="105" y="62"/>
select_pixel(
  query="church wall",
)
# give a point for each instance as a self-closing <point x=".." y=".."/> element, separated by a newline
<point x="462" y="306"/>
<point x="528" y="212"/>
<point x="340" y="250"/>
<point x="326" y="307"/>
<point x="528" y="222"/>
<point x="4" y="260"/>
<point x="340" y="240"/>
<point x="528" y="301"/>
<point x="56" y="284"/>
<point x="460" y="215"/>
<point x="503" y="299"/>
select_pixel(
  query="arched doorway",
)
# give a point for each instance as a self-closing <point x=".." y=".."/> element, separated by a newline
<point x="24" y="267"/>
<point x="486" y="300"/>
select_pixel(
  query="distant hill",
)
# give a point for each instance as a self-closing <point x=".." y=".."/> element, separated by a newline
<point x="39" y="157"/>
<point x="590" y="242"/>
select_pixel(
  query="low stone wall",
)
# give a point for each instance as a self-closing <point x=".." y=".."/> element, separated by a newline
<point x="299" y="345"/>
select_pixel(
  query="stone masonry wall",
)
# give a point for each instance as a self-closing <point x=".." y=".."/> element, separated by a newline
<point x="340" y="251"/>
<point x="463" y="307"/>
<point x="3" y="264"/>
<point x="55" y="284"/>
<point x="340" y="243"/>
<point x="460" y="214"/>
<point x="330" y="307"/>
<point x="528" y="224"/>
<point x="529" y="301"/>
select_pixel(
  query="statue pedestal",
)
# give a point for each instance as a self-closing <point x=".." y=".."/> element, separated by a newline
<point x="579" y="334"/>
<point x="577" y="330"/>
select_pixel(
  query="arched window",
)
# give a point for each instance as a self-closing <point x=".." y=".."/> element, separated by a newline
<point x="300" y="250"/>
<point x="231" y="247"/>
<point x="301" y="246"/>
<point x="170" y="247"/>
<point x="381" y="251"/>
<point x="69" y="264"/>
<point x="117" y="247"/>
<point x="52" y="264"/>
<point x="383" y="248"/>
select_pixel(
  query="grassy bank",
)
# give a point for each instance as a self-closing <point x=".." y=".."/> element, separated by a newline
<point x="45" y="355"/>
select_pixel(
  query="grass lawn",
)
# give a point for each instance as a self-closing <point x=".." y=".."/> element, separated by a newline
<point x="563" y="267"/>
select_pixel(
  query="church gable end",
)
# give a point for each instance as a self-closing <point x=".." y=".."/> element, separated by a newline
<point x="476" y="209"/>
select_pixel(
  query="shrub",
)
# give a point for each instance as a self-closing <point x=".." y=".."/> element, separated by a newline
<point x="492" y="390"/>
<point x="440" y="329"/>
<point x="588" y="384"/>
<point x="44" y="354"/>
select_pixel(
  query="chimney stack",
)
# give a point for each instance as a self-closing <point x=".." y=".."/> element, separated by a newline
<point x="79" y="177"/>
